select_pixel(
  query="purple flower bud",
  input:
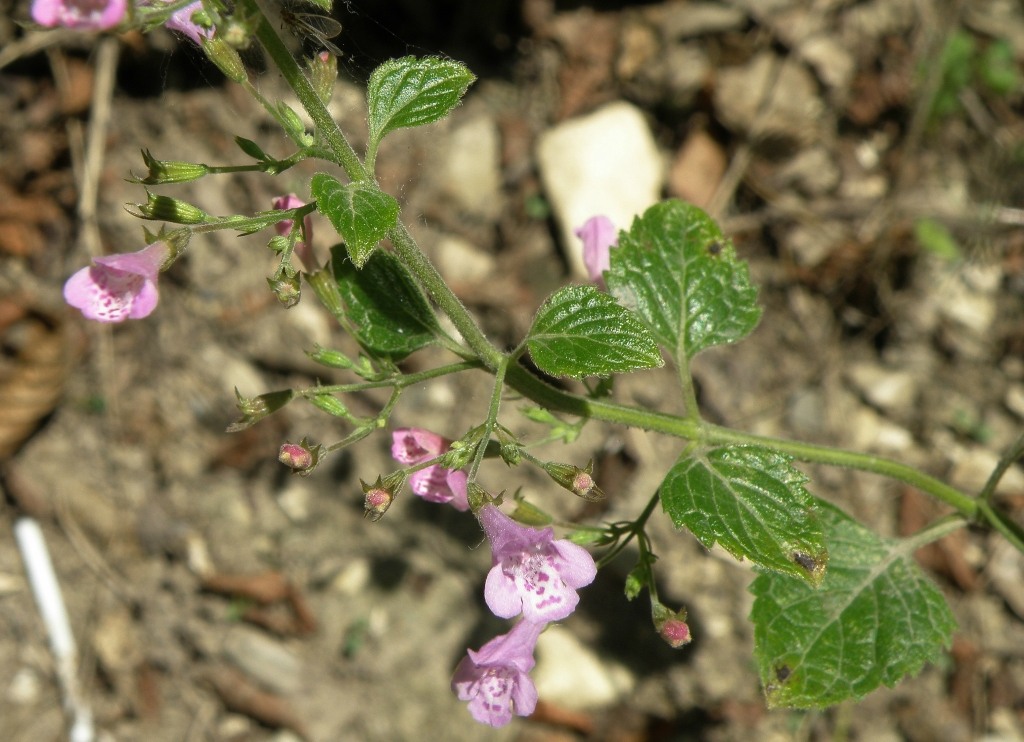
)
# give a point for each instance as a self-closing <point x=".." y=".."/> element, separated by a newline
<point x="295" y="456"/>
<point x="671" y="625"/>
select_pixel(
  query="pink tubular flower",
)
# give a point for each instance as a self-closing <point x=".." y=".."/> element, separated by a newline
<point x="181" y="21"/>
<point x="118" y="287"/>
<point x="434" y="483"/>
<point x="84" y="14"/>
<point x="599" y="236"/>
<point x="495" y="681"/>
<point x="532" y="573"/>
<point x="302" y="249"/>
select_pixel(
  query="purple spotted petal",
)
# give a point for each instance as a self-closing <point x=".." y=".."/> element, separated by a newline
<point x="118" y="287"/>
<point x="495" y="679"/>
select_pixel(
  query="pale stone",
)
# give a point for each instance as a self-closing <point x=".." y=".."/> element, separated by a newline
<point x="571" y="675"/>
<point x="604" y="163"/>
<point x="471" y="172"/>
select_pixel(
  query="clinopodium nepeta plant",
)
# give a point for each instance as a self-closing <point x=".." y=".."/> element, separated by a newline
<point x="838" y="610"/>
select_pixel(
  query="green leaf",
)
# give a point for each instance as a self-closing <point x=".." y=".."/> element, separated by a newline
<point x="362" y="213"/>
<point x="410" y="92"/>
<point x="683" y="278"/>
<point x="391" y="315"/>
<point x="752" y="501"/>
<point x="580" y="331"/>
<point x="875" y="618"/>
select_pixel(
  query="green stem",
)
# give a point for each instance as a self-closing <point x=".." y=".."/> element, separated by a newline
<point x="693" y="430"/>
<point x="325" y="124"/>
<point x="424" y="270"/>
<point x="399" y="382"/>
<point x="492" y="418"/>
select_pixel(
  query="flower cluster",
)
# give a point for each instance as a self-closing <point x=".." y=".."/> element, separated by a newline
<point x="532" y="574"/>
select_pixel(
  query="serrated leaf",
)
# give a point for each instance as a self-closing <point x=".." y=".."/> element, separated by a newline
<point x="683" y="278"/>
<point x="410" y="92"/>
<point x="875" y="618"/>
<point x="362" y="213"/>
<point x="752" y="501"/>
<point x="580" y="331"/>
<point x="391" y="315"/>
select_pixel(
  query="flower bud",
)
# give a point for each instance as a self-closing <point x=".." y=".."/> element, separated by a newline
<point x="170" y="171"/>
<point x="379" y="495"/>
<point x="254" y="409"/>
<point x="226" y="57"/>
<point x="166" y="209"/>
<point x="286" y="288"/>
<point x="671" y="625"/>
<point x="576" y="480"/>
<point x="323" y="72"/>
<point x="301" y="457"/>
<point x="295" y="456"/>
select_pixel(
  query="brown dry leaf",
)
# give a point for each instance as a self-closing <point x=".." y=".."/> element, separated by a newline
<point x="264" y="588"/>
<point x="697" y="169"/>
<point x="33" y="368"/>
<point x="240" y="695"/>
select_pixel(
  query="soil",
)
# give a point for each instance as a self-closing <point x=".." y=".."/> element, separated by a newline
<point x="214" y="596"/>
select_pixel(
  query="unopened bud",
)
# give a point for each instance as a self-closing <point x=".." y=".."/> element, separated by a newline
<point x="254" y="409"/>
<point x="323" y="72"/>
<point x="174" y="210"/>
<point x="226" y="57"/>
<point x="301" y="457"/>
<point x="576" y="480"/>
<point x="671" y="625"/>
<point x="170" y="171"/>
<point x="287" y="289"/>
<point x="377" y="497"/>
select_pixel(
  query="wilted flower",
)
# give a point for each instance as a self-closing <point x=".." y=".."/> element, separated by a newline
<point x="599" y="236"/>
<point x="495" y="679"/>
<point x="533" y="574"/>
<point x="118" y="287"/>
<point x="434" y="483"/>
<point x="84" y="14"/>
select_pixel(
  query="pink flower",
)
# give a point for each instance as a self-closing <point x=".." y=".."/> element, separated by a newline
<point x="599" y="236"/>
<point x="302" y="249"/>
<point x="181" y="21"/>
<point x="86" y="14"/>
<point x="532" y="574"/>
<point x="434" y="483"/>
<point x="495" y="681"/>
<point x="118" y="287"/>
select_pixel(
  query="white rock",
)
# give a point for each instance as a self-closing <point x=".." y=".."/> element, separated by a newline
<point x="604" y="163"/>
<point x="1014" y="399"/>
<point x="890" y="390"/>
<point x="471" y="172"/>
<point x="568" y="674"/>
<point x="461" y="261"/>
